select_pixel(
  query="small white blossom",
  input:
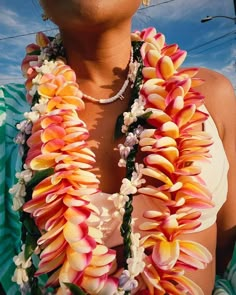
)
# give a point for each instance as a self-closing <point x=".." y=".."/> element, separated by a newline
<point x="127" y="187"/>
<point x="39" y="107"/>
<point x="19" y="189"/>
<point x="33" y="90"/>
<point x="37" y="79"/>
<point x="43" y="100"/>
<point x="138" y="131"/>
<point x="136" y="178"/>
<point x="47" y="67"/>
<point x="129" y="118"/>
<point x="20" y="275"/>
<point x="122" y="163"/>
<point x="124" y="151"/>
<point x="135" y="262"/>
<point x="133" y="68"/>
<point x="124" y="128"/>
<point x="119" y="201"/>
<point x="131" y="139"/>
<point x="32" y="116"/>
<point x="19" y="192"/>
<point x="137" y="109"/>
<point x="24" y="126"/>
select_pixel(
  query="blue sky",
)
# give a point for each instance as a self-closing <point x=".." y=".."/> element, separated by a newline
<point x="211" y="44"/>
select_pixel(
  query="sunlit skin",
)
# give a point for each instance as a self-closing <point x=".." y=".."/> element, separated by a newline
<point x="97" y="63"/>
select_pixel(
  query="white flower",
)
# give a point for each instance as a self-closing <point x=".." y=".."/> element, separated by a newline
<point x="124" y="151"/>
<point x="20" y="275"/>
<point x="33" y="90"/>
<point x="47" y="67"/>
<point x="129" y="118"/>
<point x="131" y="140"/>
<point x="135" y="262"/>
<point x="43" y="100"/>
<point x="127" y="187"/>
<point x="119" y="201"/>
<point x="25" y="175"/>
<point x="39" y="107"/>
<point x="124" y="128"/>
<point x="136" y="178"/>
<point x="32" y="116"/>
<point x="18" y="190"/>
<point x="37" y="79"/>
<point x="122" y="163"/>
<point x="137" y="109"/>
<point x="133" y="68"/>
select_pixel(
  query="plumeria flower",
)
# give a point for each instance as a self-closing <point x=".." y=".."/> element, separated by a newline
<point x="20" y="275"/>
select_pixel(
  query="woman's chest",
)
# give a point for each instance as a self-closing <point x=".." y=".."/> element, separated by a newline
<point x="101" y="122"/>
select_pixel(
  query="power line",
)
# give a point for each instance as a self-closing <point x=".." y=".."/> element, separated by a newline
<point x="26" y="34"/>
<point x="33" y="33"/>
<point x="213" y="40"/>
<point x="212" y="47"/>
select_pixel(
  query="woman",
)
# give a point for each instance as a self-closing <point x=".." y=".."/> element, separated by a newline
<point x="78" y="236"/>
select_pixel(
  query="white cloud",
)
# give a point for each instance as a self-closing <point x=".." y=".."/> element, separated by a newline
<point x="9" y="18"/>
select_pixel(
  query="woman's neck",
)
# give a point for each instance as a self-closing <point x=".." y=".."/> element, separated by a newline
<point x="99" y="60"/>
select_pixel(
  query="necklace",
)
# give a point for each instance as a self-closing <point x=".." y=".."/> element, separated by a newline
<point x="120" y="93"/>
<point x="58" y="181"/>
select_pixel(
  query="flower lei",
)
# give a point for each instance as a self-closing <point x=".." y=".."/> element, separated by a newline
<point x="55" y="188"/>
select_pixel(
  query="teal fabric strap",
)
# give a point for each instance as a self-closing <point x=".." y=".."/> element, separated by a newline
<point x="12" y="107"/>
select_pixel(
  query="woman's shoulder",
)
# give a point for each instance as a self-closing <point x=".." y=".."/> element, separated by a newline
<point x="214" y="81"/>
<point x="219" y="97"/>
